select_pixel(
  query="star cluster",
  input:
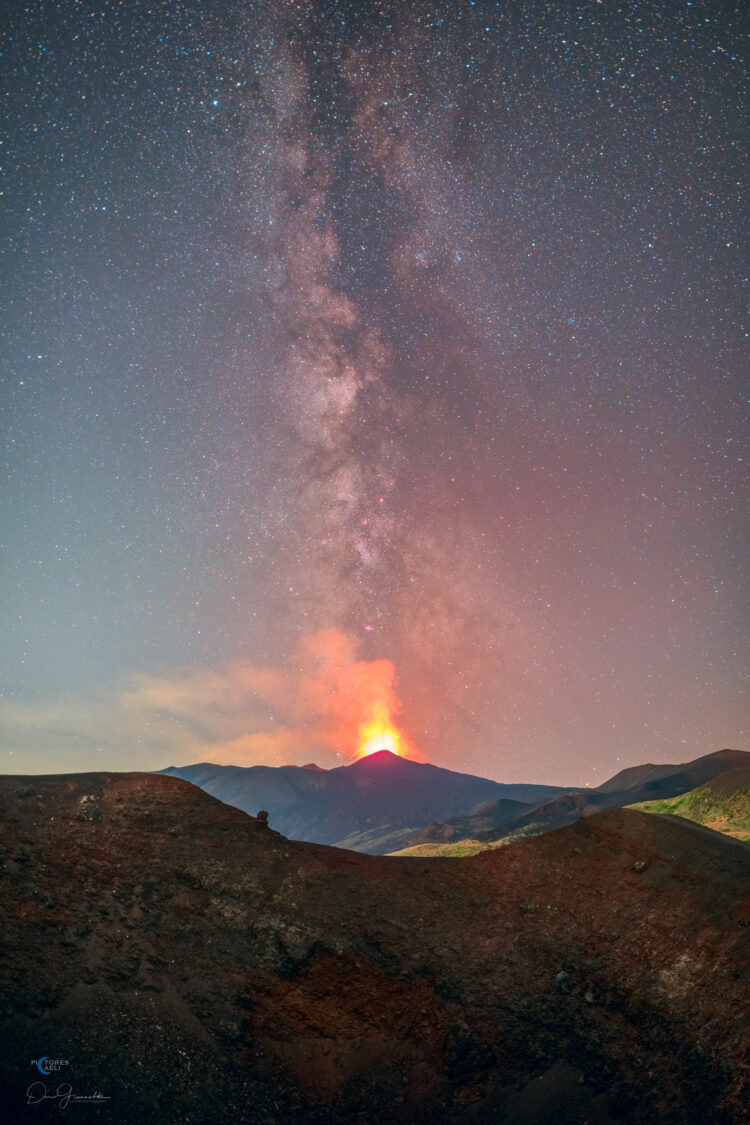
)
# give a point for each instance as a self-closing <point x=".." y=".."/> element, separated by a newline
<point x="417" y="327"/>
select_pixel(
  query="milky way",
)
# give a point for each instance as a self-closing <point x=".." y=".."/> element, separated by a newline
<point x="384" y="342"/>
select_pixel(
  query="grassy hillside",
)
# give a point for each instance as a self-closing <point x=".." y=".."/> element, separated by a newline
<point x="727" y="812"/>
<point x="455" y="850"/>
<point x="723" y="805"/>
<point x="378" y="839"/>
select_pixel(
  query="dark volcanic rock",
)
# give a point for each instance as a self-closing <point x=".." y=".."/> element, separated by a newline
<point x="223" y="974"/>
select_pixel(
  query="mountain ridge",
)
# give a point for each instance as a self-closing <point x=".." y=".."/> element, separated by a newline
<point x="629" y="786"/>
<point x="372" y="804"/>
<point x="722" y="804"/>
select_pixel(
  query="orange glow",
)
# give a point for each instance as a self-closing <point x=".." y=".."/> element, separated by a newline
<point x="349" y="705"/>
<point x="378" y="733"/>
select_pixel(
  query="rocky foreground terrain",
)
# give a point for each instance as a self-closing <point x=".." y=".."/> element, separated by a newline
<point x="188" y="964"/>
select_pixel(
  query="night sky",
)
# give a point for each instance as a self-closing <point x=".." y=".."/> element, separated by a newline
<point x="367" y="351"/>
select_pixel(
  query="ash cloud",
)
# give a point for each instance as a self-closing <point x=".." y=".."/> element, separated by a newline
<point x="237" y="713"/>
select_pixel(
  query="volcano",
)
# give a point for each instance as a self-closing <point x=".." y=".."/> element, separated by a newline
<point x="372" y="805"/>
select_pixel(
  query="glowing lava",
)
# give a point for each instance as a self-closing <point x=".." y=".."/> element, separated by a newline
<point x="378" y="733"/>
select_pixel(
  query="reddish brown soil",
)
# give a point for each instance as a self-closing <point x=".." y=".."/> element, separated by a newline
<point x="196" y="967"/>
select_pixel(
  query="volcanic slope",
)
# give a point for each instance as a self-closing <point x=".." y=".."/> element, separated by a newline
<point x="722" y="804"/>
<point x="371" y="805"/>
<point x="495" y="821"/>
<point x="193" y="966"/>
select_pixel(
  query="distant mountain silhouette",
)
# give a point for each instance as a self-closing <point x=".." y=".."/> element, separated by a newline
<point x="630" y="786"/>
<point x="371" y="805"/>
<point x="494" y="815"/>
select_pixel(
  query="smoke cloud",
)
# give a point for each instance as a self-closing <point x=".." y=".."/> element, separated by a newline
<point x="237" y="714"/>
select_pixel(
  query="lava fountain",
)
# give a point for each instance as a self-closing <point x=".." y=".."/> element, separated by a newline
<point x="378" y="732"/>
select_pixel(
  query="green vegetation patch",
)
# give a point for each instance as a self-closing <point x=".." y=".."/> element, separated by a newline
<point x="726" y="812"/>
<point x="444" y="851"/>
